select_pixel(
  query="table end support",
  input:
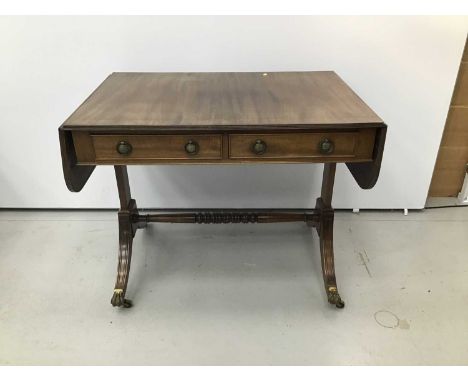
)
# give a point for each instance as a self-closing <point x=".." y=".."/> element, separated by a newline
<point x="128" y="226"/>
<point x="325" y="232"/>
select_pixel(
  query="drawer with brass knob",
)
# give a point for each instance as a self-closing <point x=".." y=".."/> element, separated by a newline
<point x="354" y="145"/>
<point x="157" y="148"/>
<point x="226" y="147"/>
<point x="124" y="148"/>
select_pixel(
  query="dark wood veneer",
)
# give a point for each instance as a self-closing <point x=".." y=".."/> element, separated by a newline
<point x="222" y="118"/>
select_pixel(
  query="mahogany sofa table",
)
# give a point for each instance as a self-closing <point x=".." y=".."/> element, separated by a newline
<point x="222" y="118"/>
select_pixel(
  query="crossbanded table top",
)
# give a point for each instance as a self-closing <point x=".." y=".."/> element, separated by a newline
<point x="223" y="99"/>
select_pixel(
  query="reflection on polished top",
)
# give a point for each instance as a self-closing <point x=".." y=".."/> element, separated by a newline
<point x="220" y="99"/>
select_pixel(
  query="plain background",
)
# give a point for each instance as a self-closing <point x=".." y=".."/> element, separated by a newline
<point x="403" y="67"/>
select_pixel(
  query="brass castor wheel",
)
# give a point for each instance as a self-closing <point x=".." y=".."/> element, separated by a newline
<point x="335" y="299"/>
<point x="340" y="305"/>
<point x="119" y="300"/>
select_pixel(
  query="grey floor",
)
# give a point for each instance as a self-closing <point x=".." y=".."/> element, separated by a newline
<point x="235" y="294"/>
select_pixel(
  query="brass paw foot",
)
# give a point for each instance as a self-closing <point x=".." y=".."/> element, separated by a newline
<point x="334" y="298"/>
<point x="119" y="300"/>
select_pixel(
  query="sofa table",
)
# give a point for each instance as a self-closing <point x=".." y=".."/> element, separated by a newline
<point x="222" y="118"/>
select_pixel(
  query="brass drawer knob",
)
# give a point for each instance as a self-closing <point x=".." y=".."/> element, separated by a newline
<point x="326" y="146"/>
<point x="259" y="147"/>
<point x="191" y="147"/>
<point x="124" y="148"/>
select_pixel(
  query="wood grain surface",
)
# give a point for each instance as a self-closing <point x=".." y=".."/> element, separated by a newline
<point x="157" y="147"/>
<point x="348" y="145"/>
<point x="157" y="112"/>
<point x="222" y="99"/>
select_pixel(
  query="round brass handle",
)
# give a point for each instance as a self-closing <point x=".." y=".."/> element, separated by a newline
<point x="326" y="146"/>
<point x="124" y="148"/>
<point x="191" y="147"/>
<point x="259" y="147"/>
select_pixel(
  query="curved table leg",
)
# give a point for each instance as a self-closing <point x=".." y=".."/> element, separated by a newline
<point x="128" y="225"/>
<point x="125" y="257"/>
<point x="325" y="231"/>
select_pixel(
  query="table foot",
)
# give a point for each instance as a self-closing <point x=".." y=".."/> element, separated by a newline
<point x="334" y="298"/>
<point x="119" y="300"/>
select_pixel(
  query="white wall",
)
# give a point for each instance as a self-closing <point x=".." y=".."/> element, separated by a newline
<point x="403" y="67"/>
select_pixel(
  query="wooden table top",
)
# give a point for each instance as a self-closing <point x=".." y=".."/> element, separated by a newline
<point x="223" y="99"/>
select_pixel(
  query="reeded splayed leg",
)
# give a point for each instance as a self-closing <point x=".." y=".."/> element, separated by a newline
<point x="127" y="229"/>
<point x="125" y="257"/>
<point x="325" y="231"/>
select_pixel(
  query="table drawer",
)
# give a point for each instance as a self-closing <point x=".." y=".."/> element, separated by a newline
<point x="156" y="147"/>
<point x="355" y="145"/>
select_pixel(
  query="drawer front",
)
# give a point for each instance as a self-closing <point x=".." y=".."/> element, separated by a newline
<point x="156" y="147"/>
<point x="357" y="145"/>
